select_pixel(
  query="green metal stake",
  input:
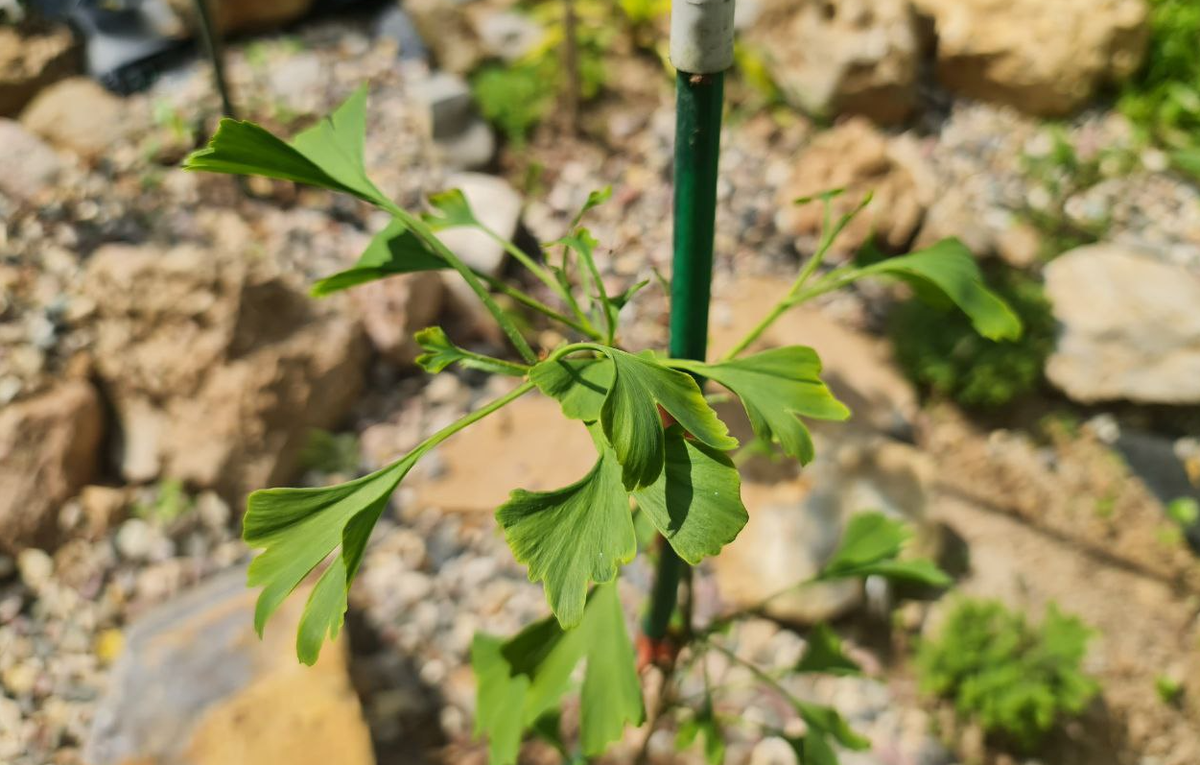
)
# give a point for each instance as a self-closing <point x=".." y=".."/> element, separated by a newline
<point x="702" y="49"/>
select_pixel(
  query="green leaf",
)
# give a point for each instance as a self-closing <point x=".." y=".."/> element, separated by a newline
<point x="871" y="545"/>
<point x="776" y="388"/>
<point x="394" y="250"/>
<point x="950" y="270"/>
<point x="632" y="423"/>
<point x="594" y="200"/>
<point x="300" y="528"/>
<point x="703" y="723"/>
<point x="441" y="353"/>
<point x="522" y="680"/>
<point x="329" y="154"/>
<point x="824" y="654"/>
<point x="825" y="721"/>
<point x="453" y="211"/>
<point x="622" y="300"/>
<point x="611" y="694"/>
<point x="579" y="385"/>
<point x="572" y="536"/>
<point x="696" y="501"/>
<point x="582" y="242"/>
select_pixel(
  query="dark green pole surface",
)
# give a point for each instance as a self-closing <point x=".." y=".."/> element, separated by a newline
<point x="698" y="104"/>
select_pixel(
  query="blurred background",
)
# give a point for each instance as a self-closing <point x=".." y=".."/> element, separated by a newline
<point x="160" y="358"/>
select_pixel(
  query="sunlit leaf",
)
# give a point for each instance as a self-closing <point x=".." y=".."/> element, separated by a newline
<point x="632" y="423"/>
<point x="871" y="545"/>
<point x="329" y="154"/>
<point x="520" y="681"/>
<point x="394" y="250"/>
<point x="824" y="654"/>
<point x="777" y="387"/>
<point x="300" y="528"/>
<point x="453" y="211"/>
<point x="441" y="353"/>
<point x="827" y="722"/>
<point x="579" y="385"/>
<point x="572" y="536"/>
<point x="949" y="269"/>
<point x="696" y="501"/>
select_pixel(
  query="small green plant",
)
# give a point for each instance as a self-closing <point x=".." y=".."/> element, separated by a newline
<point x="332" y="453"/>
<point x="1169" y="690"/>
<point x="941" y="353"/>
<point x="1060" y="175"/>
<point x="659" y="446"/>
<point x="1164" y="100"/>
<point x="1015" y="679"/>
<point x="517" y="97"/>
<point x="169" y="502"/>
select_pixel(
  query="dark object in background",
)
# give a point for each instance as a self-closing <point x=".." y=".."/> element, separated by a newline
<point x="129" y="43"/>
<point x="1152" y="458"/>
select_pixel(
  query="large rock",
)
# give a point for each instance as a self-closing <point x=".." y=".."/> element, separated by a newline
<point x="843" y="56"/>
<point x="28" y="167"/>
<point x="29" y="61"/>
<point x="1044" y="58"/>
<point x="49" y="449"/>
<point x="1130" y="326"/>
<point x="795" y="526"/>
<point x="217" y="369"/>
<point x="233" y="16"/>
<point x="856" y="157"/>
<point x="195" y="686"/>
<point x="78" y="115"/>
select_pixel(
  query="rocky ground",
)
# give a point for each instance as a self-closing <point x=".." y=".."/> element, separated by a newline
<point x="154" y="334"/>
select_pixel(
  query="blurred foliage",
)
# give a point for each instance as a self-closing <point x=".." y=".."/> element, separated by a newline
<point x="332" y="453"/>
<point x="1015" y="679"/>
<point x="169" y="501"/>
<point x="1169" y="690"/>
<point x="940" y="352"/>
<point x="1061" y="173"/>
<point x="1164" y="100"/>
<point x="516" y="97"/>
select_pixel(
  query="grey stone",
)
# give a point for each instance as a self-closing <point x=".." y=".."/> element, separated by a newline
<point x="508" y="35"/>
<point x="396" y="25"/>
<point x="1130" y="327"/>
<point x="448" y="99"/>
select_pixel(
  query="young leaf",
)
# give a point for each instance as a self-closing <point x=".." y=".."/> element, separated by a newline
<point x="632" y="423"/>
<point x="871" y="545"/>
<point x="776" y="388"/>
<point x="950" y="270"/>
<point x="394" y="250"/>
<point x="572" y="536"/>
<point x="824" y="654"/>
<point x="705" y="722"/>
<point x="594" y="200"/>
<point x="453" y="211"/>
<point x="441" y="353"/>
<point x="298" y="529"/>
<point x="579" y="385"/>
<point x="696" y="501"/>
<point x="521" y="680"/>
<point x="582" y="242"/>
<point x="611" y="694"/>
<point x="329" y="154"/>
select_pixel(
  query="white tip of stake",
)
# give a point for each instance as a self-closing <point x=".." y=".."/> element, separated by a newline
<point x="702" y="35"/>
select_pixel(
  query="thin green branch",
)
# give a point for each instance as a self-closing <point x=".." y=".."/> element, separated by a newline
<point x="426" y="235"/>
<point x="533" y="303"/>
<point x="796" y="295"/>
<point x="470" y="419"/>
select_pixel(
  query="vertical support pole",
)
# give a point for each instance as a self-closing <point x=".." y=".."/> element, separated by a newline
<point x="701" y="50"/>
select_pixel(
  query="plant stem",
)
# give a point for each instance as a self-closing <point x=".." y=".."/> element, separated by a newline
<point x="490" y="408"/>
<point x="529" y="301"/>
<point x="423" y="232"/>
<point x="210" y="36"/>
<point x="574" y="86"/>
